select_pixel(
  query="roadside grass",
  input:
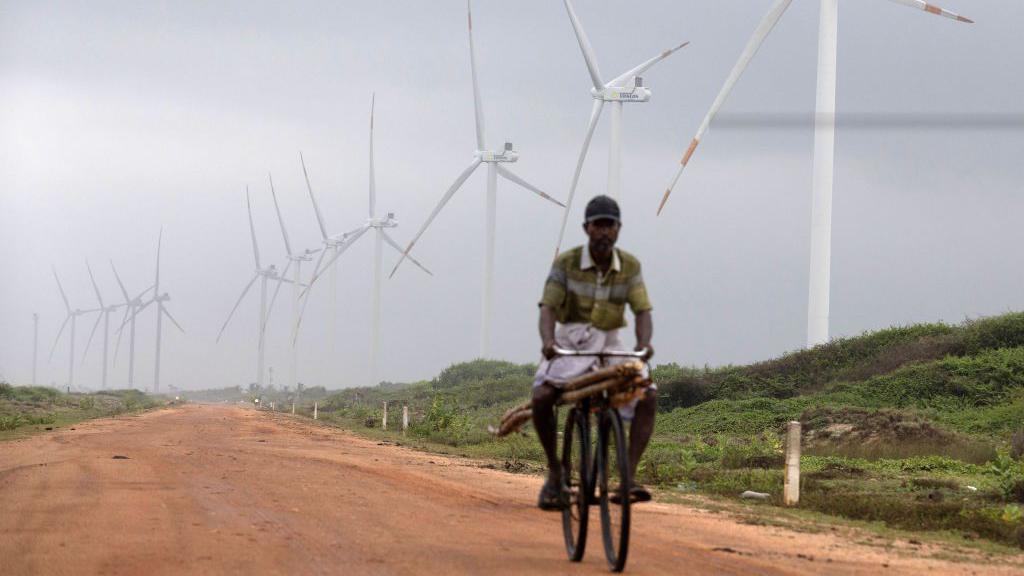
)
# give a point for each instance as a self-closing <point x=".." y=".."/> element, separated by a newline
<point x="26" y="410"/>
<point x="917" y="427"/>
<point x="940" y="544"/>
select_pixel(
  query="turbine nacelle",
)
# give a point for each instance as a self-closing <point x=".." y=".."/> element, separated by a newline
<point x="387" y="222"/>
<point x="633" y="91"/>
<point x="508" y="154"/>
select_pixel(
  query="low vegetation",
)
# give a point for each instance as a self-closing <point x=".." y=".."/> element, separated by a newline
<point x="26" y="409"/>
<point x="920" y="427"/>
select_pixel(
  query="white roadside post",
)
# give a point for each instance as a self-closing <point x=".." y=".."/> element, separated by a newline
<point x="405" y="419"/>
<point x="314" y="411"/>
<point x="791" y="488"/>
<point x="384" y="421"/>
<point x="293" y="406"/>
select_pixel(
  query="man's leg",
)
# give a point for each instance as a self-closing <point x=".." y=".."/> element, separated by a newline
<point x="642" y="427"/>
<point x="544" y="397"/>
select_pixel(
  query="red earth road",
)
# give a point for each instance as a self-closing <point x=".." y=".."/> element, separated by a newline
<point x="216" y="489"/>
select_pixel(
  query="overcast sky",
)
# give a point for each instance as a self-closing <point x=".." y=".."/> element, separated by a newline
<point x="117" y="118"/>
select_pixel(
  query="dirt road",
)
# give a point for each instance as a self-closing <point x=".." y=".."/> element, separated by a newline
<point x="206" y="489"/>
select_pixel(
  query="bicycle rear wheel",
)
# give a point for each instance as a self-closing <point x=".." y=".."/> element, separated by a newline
<point x="575" y="471"/>
<point x="614" y="483"/>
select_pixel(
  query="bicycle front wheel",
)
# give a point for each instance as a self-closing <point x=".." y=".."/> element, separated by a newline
<point x="614" y="483"/>
<point x="575" y="471"/>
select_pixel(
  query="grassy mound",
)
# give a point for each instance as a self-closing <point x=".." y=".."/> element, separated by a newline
<point x="919" y="427"/>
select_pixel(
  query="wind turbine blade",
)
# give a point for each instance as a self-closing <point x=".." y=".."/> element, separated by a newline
<point x="512" y="177"/>
<point x="391" y="242"/>
<point x="595" y="115"/>
<point x="59" y="333"/>
<point x="62" y="294"/>
<point x="623" y="78"/>
<point x="373" y="176"/>
<point x="171" y="318"/>
<point x="316" y="270"/>
<point x="237" y="302"/>
<point x="350" y="239"/>
<point x="588" y="52"/>
<point x="919" y="4"/>
<point x="252" y="230"/>
<point x="302" y="312"/>
<point x="477" y="108"/>
<point x="762" y="31"/>
<point x="117" y="344"/>
<point x="143" y="293"/>
<point x="316" y="207"/>
<point x="280" y="220"/>
<point x="94" y="286"/>
<point x="277" y="289"/>
<point x="444" y="200"/>
<point x="119" y="283"/>
<point x="304" y="295"/>
<point x="99" y="318"/>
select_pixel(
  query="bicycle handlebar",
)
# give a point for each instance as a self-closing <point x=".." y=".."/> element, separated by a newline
<point x="603" y="354"/>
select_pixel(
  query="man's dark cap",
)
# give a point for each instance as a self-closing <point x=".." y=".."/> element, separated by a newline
<point x="602" y="208"/>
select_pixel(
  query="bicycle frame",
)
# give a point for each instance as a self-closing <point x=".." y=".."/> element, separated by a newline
<point x="607" y="419"/>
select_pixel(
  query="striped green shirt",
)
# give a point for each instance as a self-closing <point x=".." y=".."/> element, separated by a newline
<point x="578" y="292"/>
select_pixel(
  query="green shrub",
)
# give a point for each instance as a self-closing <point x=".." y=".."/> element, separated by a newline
<point x="478" y="370"/>
<point x="1009" y="476"/>
<point x="665" y="463"/>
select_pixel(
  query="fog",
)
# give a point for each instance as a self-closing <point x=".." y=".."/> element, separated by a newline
<point x="118" y="119"/>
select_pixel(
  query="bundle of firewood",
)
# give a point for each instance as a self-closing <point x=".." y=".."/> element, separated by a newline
<point x="623" y="382"/>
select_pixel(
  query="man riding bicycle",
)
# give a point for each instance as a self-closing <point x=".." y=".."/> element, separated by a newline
<point x="583" y="308"/>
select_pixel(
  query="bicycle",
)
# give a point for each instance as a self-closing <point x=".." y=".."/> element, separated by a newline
<point x="607" y="472"/>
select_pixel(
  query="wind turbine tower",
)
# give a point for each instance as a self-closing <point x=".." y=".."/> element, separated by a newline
<point x="35" y="345"/>
<point x="824" y="144"/>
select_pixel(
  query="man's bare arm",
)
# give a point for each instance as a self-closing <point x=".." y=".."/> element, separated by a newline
<point x="644" y="331"/>
<point x="547" y="331"/>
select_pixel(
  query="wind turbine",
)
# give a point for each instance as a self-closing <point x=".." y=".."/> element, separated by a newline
<point x="824" y="145"/>
<point x="104" y="316"/>
<point x="495" y="168"/>
<point x="296" y="258"/>
<point x="132" y="305"/>
<point x="161" y="311"/>
<point x="160" y="298"/>
<point x="335" y="244"/>
<point x="626" y="87"/>
<point x="379" y="225"/>
<point x="72" y="317"/>
<point x="264" y="275"/>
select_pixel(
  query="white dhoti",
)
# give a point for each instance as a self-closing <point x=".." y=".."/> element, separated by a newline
<point x="584" y="338"/>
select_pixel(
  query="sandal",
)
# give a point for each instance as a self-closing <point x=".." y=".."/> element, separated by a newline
<point x="553" y="497"/>
<point x="636" y="494"/>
